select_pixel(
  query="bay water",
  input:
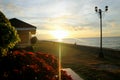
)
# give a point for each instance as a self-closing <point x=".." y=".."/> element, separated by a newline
<point x="107" y="42"/>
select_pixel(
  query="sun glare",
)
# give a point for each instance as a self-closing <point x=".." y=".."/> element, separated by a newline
<point x="60" y="34"/>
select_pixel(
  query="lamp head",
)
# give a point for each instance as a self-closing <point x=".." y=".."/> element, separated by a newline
<point x="106" y="8"/>
<point x="96" y="9"/>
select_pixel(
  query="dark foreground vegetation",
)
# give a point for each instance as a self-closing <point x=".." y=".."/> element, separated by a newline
<point x="24" y="65"/>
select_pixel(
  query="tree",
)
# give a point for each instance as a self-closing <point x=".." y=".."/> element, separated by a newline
<point x="33" y="40"/>
<point x="8" y="35"/>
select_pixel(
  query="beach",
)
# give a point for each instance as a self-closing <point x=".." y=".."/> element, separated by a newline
<point x="84" y="59"/>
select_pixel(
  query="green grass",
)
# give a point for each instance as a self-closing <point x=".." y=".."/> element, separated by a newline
<point x="84" y="61"/>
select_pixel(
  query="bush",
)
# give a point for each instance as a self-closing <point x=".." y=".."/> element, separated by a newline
<point x="22" y="65"/>
<point x="34" y="40"/>
<point x="8" y="35"/>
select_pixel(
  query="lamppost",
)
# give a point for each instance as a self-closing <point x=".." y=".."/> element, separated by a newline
<point x="99" y="11"/>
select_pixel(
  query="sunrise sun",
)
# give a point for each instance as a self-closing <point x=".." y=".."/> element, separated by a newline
<point x="59" y="34"/>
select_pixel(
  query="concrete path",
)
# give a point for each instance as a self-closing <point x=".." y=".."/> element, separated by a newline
<point x="74" y="75"/>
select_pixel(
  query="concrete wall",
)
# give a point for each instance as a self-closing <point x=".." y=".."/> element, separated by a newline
<point x="25" y="36"/>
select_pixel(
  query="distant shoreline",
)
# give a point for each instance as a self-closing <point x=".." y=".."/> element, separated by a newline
<point x="87" y="46"/>
<point x="91" y="49"/>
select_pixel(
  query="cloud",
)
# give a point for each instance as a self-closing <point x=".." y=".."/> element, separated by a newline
<point x="11" y="9"/>
<point x="113" y="24"/>
<point x="44" y="34"/>
<point x="77" y="16"/>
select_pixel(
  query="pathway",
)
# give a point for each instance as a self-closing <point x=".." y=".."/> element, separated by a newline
<point x="74" y="75"/>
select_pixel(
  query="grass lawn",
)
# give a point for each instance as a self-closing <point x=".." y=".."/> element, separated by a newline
<point x="84" y="61"/>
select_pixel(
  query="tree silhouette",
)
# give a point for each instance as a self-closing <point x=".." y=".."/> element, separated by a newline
<point x="8" y="35"/>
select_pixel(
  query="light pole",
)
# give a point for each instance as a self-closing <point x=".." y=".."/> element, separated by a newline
<point x="99" y="11"/>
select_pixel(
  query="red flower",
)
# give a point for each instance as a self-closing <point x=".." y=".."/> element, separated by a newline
<point x="16" y="52"/>
<point x="31" y="53"/>
<point x="34" y="67"/>
<point x="16" y="70"/>
<point x="25" y="65"/>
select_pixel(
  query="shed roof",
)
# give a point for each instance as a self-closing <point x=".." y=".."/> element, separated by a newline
<point x="20" y="24"/>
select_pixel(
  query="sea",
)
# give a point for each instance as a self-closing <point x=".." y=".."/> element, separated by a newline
<point x="107" y="42"/>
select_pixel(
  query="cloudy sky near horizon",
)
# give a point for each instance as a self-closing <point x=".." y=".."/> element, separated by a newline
<point x="77" y="17"/>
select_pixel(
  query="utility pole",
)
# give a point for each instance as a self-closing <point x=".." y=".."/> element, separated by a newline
<point x="99" y="11"/>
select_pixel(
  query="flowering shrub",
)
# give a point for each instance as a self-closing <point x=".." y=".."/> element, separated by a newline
<point x="22" y="65"/>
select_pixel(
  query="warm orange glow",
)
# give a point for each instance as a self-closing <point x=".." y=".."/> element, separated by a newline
<point x="60" y="34"/>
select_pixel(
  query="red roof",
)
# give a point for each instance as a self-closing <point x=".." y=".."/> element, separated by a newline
<point x="20" y="24"/>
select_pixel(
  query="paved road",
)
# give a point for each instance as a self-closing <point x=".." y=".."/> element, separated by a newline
<point x="74" y="75"/>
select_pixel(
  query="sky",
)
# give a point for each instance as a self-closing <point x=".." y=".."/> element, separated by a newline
<point x="76" y="17"/>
